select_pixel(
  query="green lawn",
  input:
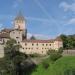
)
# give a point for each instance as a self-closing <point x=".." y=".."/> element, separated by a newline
<point x="56" y="68"/>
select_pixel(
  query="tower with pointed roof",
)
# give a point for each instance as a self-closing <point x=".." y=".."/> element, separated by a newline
<point x="20" y="23"/>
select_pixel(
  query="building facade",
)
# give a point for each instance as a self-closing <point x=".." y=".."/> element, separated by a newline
<point x="19" y="33"/>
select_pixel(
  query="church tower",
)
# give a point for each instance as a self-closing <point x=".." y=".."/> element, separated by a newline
<point x="20" y="23"/>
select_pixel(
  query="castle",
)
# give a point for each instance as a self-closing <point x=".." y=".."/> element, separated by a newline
<point x="19" y="33"/>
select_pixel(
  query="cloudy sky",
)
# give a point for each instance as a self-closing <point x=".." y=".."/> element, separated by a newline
<point x="45" y="18"/>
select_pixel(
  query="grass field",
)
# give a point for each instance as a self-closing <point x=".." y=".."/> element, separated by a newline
<point x="56" y="68"/>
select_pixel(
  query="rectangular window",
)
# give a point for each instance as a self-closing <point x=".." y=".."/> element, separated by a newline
<point x="42" y="44"/>
<point x="37" y="44"/>
<point x="17" y="37"/>
<point x="46" y="44"/>
<point x="36" y="48"/>
<point x="32" y="44"/>
<point x="25" y="44"/>
<point x="26" y="48"/>
<point x="18" y="42"/>
<point x="42" y="51"/>
<point x="50" y="44"/>
<point x="23" y="48"/>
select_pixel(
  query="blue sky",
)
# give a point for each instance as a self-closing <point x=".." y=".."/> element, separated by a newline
<point x="45" y="18"/>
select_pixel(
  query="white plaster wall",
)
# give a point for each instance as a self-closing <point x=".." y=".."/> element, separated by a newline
<point x="19" y="24"/>
<point x="16" y="33"/>
<point x="40" y="49"/>
<point x="58" y="44"/>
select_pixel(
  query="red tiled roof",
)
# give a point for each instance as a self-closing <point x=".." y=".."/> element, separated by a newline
<point x="39" y="41"/>
<point x="43" y="41"/>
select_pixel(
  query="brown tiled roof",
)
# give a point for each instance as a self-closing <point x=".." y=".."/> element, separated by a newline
<point x="4" y="35"/>
<point x="18" y="29"/>
<point x="9" y="30"/>
<point x="39" y="41"/>
<point x="20" y="16"/>
<point x="6" y="30"/>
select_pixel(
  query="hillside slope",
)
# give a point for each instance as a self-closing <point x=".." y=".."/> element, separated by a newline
<point x="57" y="68"/>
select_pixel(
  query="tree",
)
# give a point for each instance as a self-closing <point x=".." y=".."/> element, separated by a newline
<point x="33" y="38"/>
<point x="11" y="47"/>
<point x="54" y="55"/>
<point x="69" y="71"/>
<point x="65" y="41"/>
<point x="13" y="57"/>
<point x="15" y="62"/>
<point x="68" y="41"/>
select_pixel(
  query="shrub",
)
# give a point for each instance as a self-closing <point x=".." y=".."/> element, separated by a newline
<point x="69" y="72"/>
<point x="45" y="65"/>
<point x="55" y="56"/>
<point x="60" y="50"/>
<point x="49" y="52"/>
<point x="34" y="55"/>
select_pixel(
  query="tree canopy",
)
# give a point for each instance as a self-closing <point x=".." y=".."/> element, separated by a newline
<point x="15" y="62"/>
<point x="68" y="41"/>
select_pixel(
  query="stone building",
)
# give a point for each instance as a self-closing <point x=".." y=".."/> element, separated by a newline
<point x="19" y="33"/>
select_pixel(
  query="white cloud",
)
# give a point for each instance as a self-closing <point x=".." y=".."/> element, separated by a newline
<point x="67" y="7"/>
<point x="38" y="19"/>
<point x="38" y="36"/>
<point x="1" y="27"/>
<point x="71" y="21"/>
<point x="29" y="35"/>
